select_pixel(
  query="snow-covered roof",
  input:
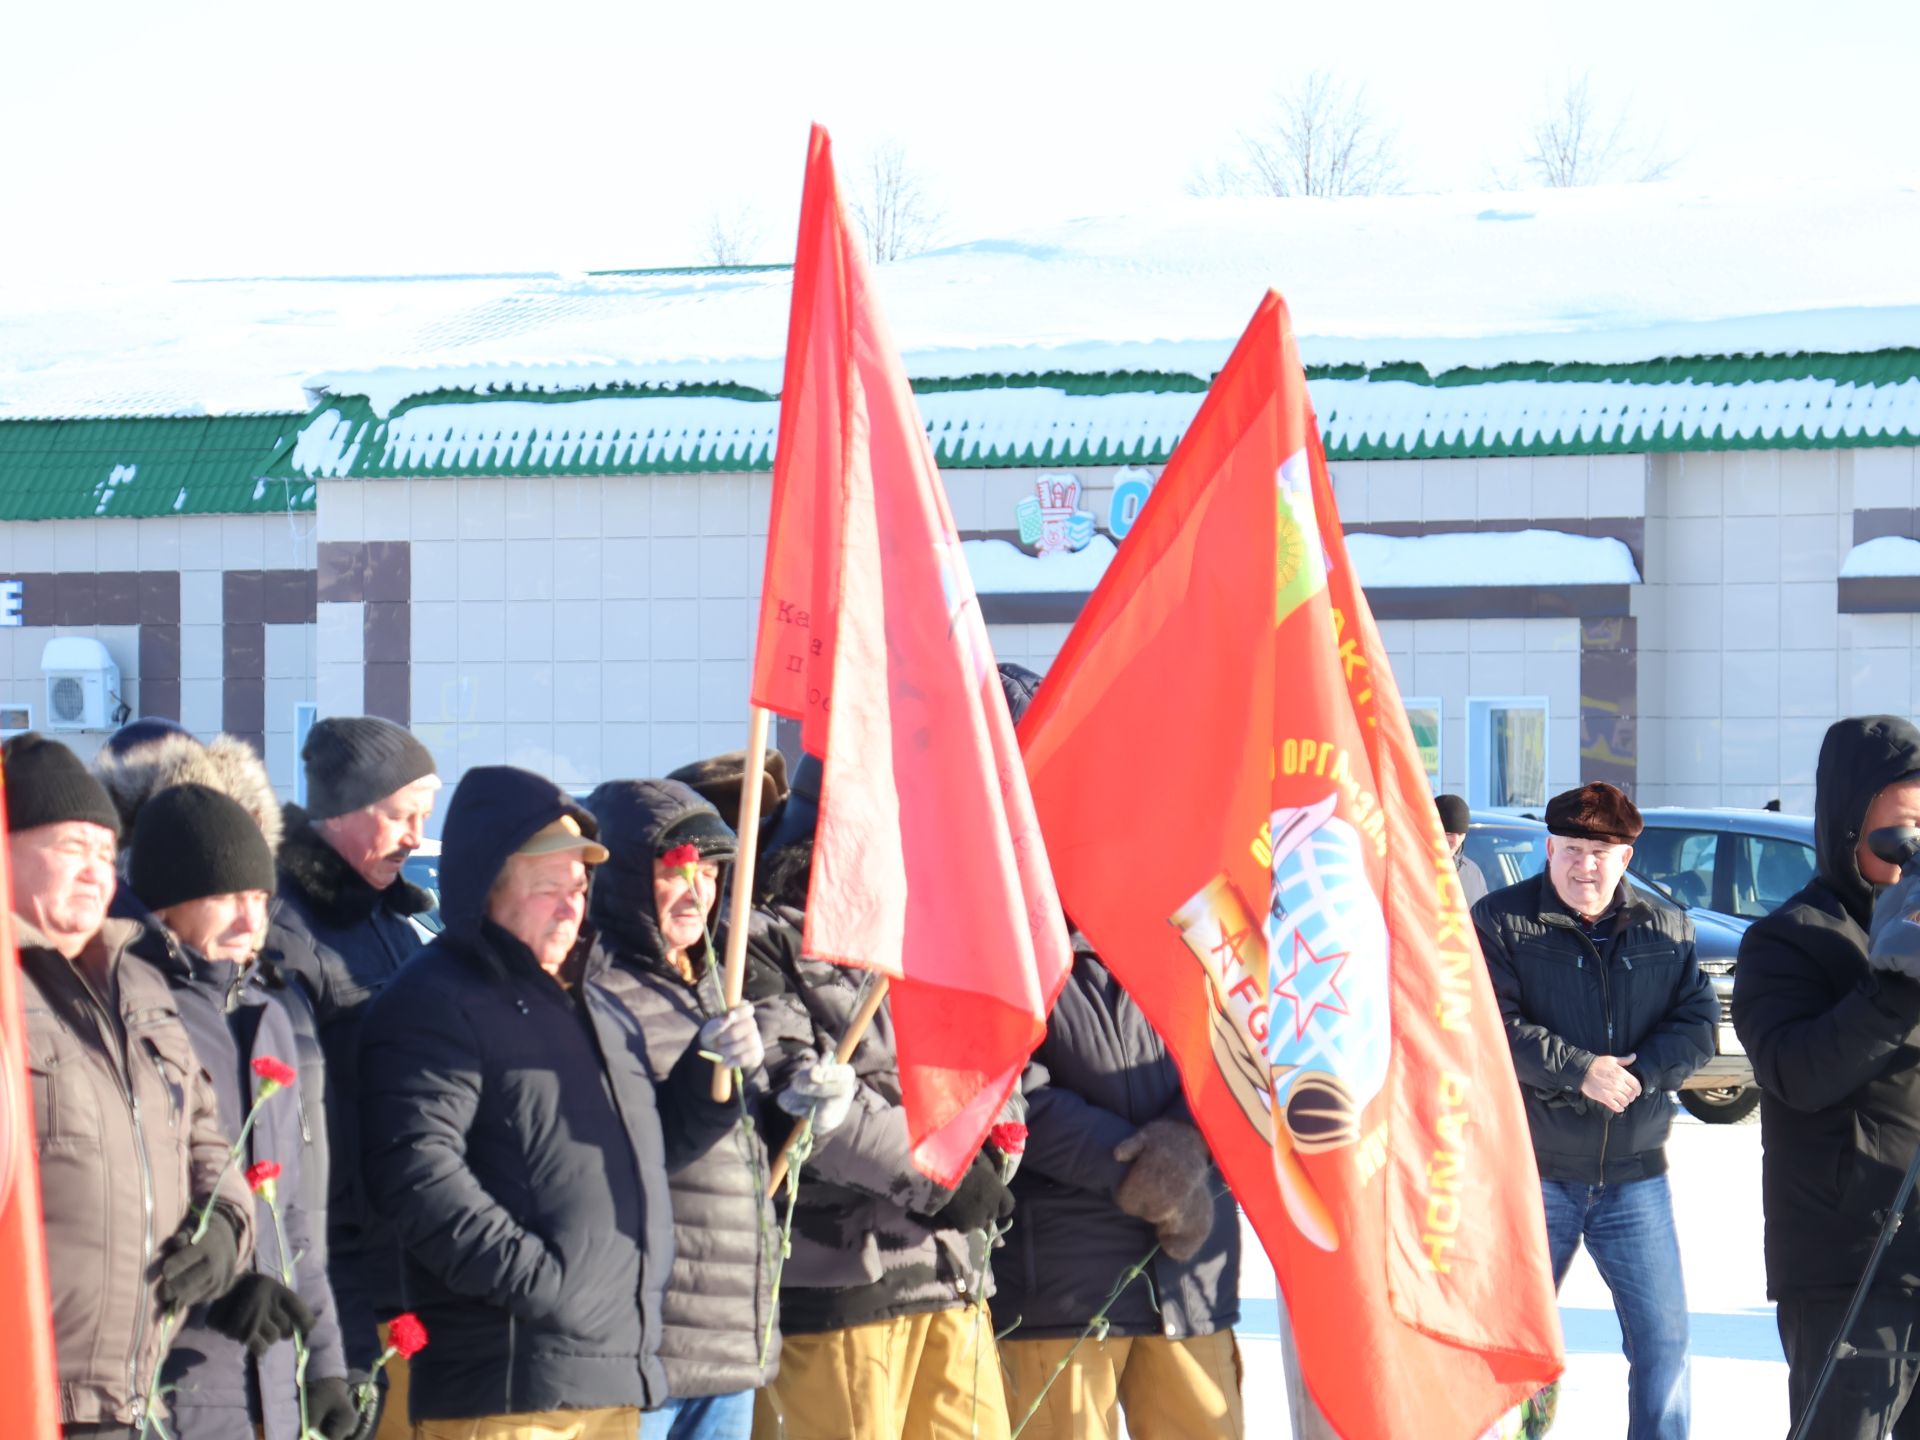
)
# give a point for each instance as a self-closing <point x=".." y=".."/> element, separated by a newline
<point x="1454" y="324"/>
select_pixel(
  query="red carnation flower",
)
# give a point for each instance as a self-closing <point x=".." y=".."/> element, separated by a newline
<point x="262" y="1173"/>
<point x="1010" y="1137"/>
<point x="274" y="1072"/>
<point x="681" y="857"/>
<point x="406" y="1336"/>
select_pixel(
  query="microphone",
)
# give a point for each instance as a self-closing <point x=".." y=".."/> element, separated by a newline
<point x="1894" y="936"/>
<point x="1895" y="844"/>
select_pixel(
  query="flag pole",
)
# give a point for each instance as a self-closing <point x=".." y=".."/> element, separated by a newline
<point x="876" y="991"/>
<point x="734" y="970"/>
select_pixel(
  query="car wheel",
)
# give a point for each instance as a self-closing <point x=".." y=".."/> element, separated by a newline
<point x="1726" y="1106"/>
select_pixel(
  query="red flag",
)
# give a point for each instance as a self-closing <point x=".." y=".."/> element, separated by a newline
<point x="29" y="1391"/>
<point x="1240" y="824"/>
<point x="928" y="865"/>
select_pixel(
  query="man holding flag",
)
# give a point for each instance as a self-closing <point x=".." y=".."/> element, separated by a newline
<point x="927" y="870"/>
<point x="1291" y="921"/>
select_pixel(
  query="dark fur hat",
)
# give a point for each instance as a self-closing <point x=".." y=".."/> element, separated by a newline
<point x="718" y="780"/>
<point x="1596" y="811"/>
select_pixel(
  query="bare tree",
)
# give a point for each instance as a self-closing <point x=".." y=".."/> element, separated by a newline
<point x="733" y="236"/>
<point x="894" y="212"/>
<point x="1325" y="139"/>
<point x="1576" y="142"/>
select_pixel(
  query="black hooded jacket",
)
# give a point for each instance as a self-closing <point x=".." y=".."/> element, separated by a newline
<point x="1632" y="986"/>
<point x="719" y="1302"/>
<point x="510" y="1134"/>
<point x="1833" y="1044"/>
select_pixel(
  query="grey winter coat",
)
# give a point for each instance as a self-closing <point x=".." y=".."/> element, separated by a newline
<point x="339" y="942"/>
<point x="715" y="1337"/>
<point x="1101" y="1073"/>
<point x="129" y="1138"/>
<point x="867" y="1240"/>
<point x="220" y="1392"/>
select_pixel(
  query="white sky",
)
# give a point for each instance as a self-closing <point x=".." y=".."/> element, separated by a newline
<point x="182" y="138"/>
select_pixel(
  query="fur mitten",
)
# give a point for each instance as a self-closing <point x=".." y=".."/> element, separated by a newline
<point x="1167" y="1184"/>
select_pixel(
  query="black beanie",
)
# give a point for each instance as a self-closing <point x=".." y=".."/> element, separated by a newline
<point x="1454" y="814"/>
<point x="191" y="842"/>
<point x="46" y="784"/>
<point x="354" y="760"/>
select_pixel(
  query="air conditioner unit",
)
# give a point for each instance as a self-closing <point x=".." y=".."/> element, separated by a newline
<point x="83" y="684"/>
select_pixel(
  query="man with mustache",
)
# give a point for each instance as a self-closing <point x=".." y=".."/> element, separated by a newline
<point x="339" y="928"/>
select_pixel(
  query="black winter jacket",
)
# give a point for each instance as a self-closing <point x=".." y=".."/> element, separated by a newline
<point x="339" y="942"/>
<point x="510" y="1134"/>
<point x="717" y="1312"/>
<point x="1834" y="1046"/>
<point x="1567" y="999"/>
<point x="1101" y="1073"/>
<point x="219" y="1391"/>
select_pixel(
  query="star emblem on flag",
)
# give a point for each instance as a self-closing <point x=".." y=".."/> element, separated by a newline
<point x="1311" y="978"/>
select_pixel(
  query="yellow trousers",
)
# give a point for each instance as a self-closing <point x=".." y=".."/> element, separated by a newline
<point x="1169" y="1389"/>
<point x="394" y="1424"/>
<point x="614" y="1422"/>
<point x="921" y="1377"/>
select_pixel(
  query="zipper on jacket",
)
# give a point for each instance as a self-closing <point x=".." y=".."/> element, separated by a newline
<point x="173" y="1108"/>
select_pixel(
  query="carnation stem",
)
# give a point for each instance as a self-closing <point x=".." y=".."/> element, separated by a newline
<point x="1097" y="1324"/>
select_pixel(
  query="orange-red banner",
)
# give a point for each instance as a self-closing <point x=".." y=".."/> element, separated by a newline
<point x="1240" y="824"/>
<point x="928" y="866"/>
<point x="29" y="1390"/>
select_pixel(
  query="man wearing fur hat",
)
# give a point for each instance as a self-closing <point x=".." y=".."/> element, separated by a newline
<point x="339" y="926"/>
<point x="126" y="1119"/>
<point x="1607" y="1012"/>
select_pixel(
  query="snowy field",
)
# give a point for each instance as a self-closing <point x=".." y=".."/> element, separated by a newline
<point x="1739" y="1375"/>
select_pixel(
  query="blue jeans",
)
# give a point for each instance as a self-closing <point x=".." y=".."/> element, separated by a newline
<point x="703" y="1417"/>
<point x="1629" y="1232"/>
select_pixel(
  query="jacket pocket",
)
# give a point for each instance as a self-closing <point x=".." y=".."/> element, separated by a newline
<point x="49" y="1054"/>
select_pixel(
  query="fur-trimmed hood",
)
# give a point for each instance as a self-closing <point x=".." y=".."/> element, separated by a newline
<point x="331" y="887"/>
<point x="225" y="763"/>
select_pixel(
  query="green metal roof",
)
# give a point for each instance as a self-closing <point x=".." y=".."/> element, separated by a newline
<point x="203" y="465"/>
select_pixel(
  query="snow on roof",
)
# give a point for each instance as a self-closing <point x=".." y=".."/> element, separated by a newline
<point x="1383" y="562"/>
<point x="1610" y="276"/>
<point x="1490" y="557"/>
<point x="1888" y="556"/>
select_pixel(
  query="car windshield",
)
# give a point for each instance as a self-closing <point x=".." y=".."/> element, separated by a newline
<point x="1506" y="854"/>
<point x="424" y="871"/>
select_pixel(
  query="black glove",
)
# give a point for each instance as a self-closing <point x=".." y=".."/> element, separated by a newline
<point x="194" y="1271"/>
<point x="982" y="1198"/>
<point x="259" y="1312"/>
<point x="330" y="1408"/>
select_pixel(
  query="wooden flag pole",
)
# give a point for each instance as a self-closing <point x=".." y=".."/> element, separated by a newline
<point x="733" y="973"/>
<point x="876" y="991"/>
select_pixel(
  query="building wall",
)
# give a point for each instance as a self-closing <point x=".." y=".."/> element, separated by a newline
<point x="209" y="619"/>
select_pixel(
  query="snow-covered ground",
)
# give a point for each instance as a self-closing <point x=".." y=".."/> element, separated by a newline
<point x="1739" y="1375"/>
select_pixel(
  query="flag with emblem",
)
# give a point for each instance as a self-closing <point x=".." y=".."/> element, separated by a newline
<point x="1240" y="824"/>
<point x="928" y="865"/>
<point x="29" y="1394"/>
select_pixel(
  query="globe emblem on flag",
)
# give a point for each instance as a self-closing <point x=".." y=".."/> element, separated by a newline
<point x="1330" y="1036"/>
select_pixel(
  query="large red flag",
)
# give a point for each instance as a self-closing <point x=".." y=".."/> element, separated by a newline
<point x="29" y="1391"/>
<point x="928" y="865"/>
<point x="1240" y="824"/>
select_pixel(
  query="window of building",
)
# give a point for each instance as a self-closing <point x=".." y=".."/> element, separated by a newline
<point x="1424" y="717"/>
<point x="304" y="714"/>
<point x="1507" y="751"/>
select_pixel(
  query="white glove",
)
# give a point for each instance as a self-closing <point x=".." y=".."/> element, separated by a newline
<point x="824" y="1091"/>
<point x="735" y="1038"/>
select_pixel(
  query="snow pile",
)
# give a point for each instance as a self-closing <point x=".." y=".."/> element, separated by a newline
<point x="1490" y="557"/>
<point x="1887" y="557"/>
<point x="1001" y="568"/>
<point x="1603" y="275"/>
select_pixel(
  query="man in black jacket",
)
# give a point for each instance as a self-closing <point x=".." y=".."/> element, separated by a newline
<point x="338" y="929"/>
<point x="512" y="1136"/>
<point x="1838" y="1062"/>
<point x="1607" y="1013"/>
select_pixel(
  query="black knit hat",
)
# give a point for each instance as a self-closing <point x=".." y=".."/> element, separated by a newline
<point x="191" y="842"/>
<point x="1454" y="814"/>
<point x="354" y="760"/>
<point x="47" y="784"/>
